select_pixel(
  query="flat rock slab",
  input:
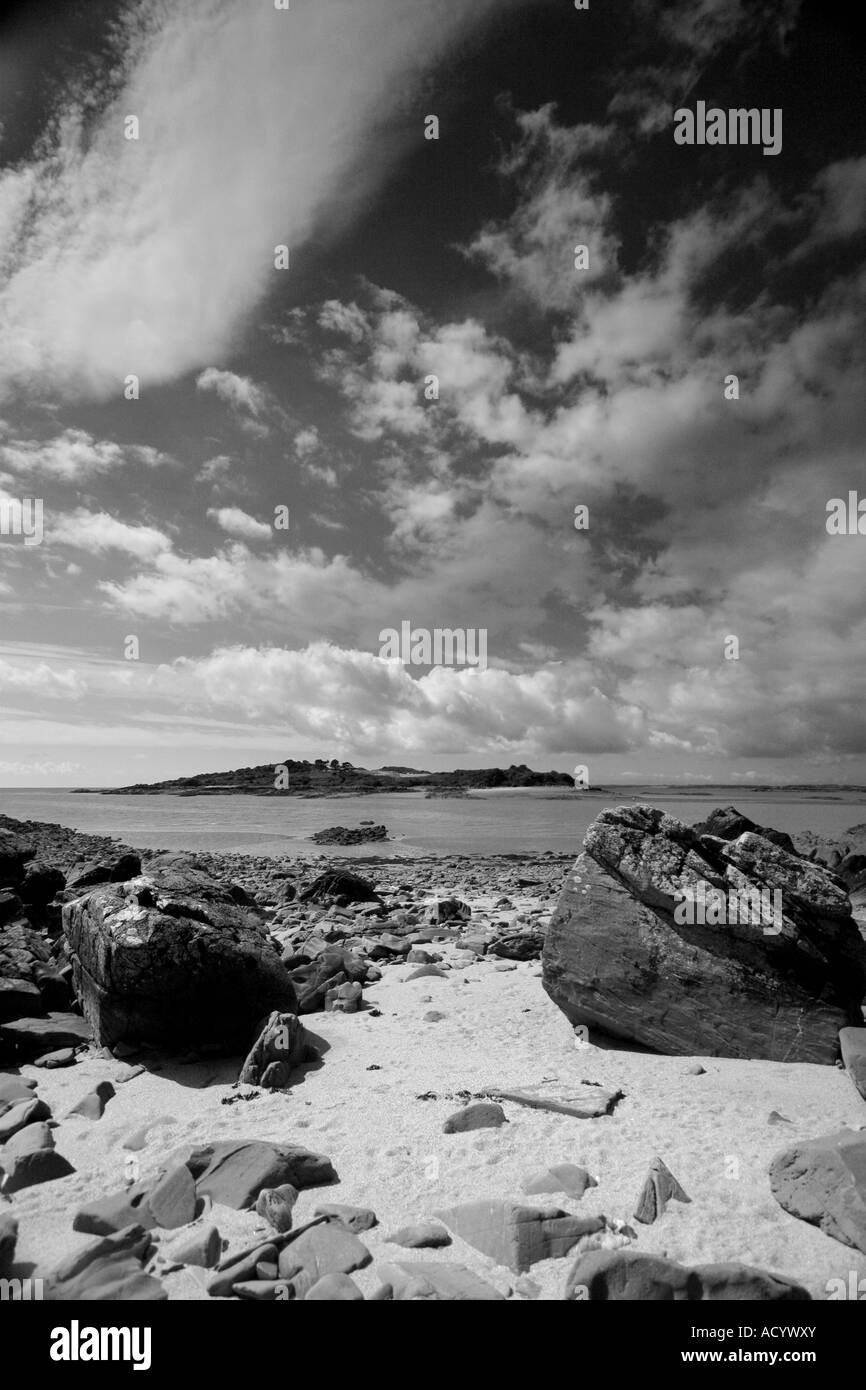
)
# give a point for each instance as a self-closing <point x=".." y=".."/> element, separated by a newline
<point x="628" y="1275"/>
<point x="20" y="1115"/>
<point x="234" y="1172"/>
<point x="424" y="1280"/>
<point x="356" y="1218"/>
<point x="172" y="1199"/>
<point x="852" y="1041"/>
<point x="30" y="1037"/>
<point x="425" y="1235"/>
<point x="517" y="1236"/>
<point x="29" y="1169"/>
<point x="335" y="1288"/>
<point x="327" y="1248"/>
<point x="823" y="1181"/>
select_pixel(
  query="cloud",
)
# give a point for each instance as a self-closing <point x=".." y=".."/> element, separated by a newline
<point x="73" y="456"/>
<point x="239" y="523"/>
<point x="97" y="532"/>
<point x="147" y="256"/>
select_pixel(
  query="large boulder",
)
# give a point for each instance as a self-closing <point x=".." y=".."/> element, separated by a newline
<point x="729" y="824"/>
<point x="632" y="1275"/>
<point x="14" y="855"/>
<point x="168" y="957"/>
<point x="618" y="960"/>
<point x="339" y="883"/>
<point x="331" y="968"/>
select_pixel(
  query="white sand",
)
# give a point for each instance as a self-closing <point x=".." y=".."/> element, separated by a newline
<point x="391" y="1155"/>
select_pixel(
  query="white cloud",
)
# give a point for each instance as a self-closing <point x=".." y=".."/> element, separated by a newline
<point x="236" y="522"/>
<point x="97" y="532"/>
<point x="147" y="256"/>
<point x="72" y="457"/>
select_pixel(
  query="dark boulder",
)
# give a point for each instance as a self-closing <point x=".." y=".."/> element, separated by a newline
<point x="15" y="853"/>
<point x="620" y="958"/>
<point x="283" y="1043"/>
<point x="338" y="883"/>
<point x="728" y="824"/>
<point x="113" y="869"/>
<point x="330" y="968"/>
<point x="170" y="958"/>
<point x="41" y="883"/>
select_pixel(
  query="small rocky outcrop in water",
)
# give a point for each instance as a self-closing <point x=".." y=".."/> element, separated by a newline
<point x="616" y="959"/>
<point x="169" y="957"/>
<point x="342" y="835"/>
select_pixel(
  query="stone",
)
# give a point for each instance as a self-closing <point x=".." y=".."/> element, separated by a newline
<point x="620" y="1275"/>
<point x="335" y="1288"/>
<point x="173" y="1198"/>
<point x="14" y="1089"/>
<point x="333" y="967"/>
<point x="448" y="910"/>
<point x="616" y="960"/>
<point x="18" y="997"/>
<point x="424" y="1236"/>
<point x="113" y="1213"/>
<point x="517" y="1236"/>
<point x="15" y="852"/>
<point x="357" y="1219"/>
<point x="21" y="1114"/>
<point x="62" y="1057"/>
<point x="238" y="1269"/>
<point x="8" y="1239"/>
<point x="433" y="1016"/>
<point x="823" y="1181"/>
<point x="728" y="824"/>
<point x="660" y="1188"/>
<point x="426" y="972"/>
<point x="584" y="1101"/>
<point x="696" y="1070"/>
<point x="478" y="1114"/>
<point x="106" y="1270"/>
<point x="41" y="883"/>
<point x="275" y="1205"/>
<point x="526" y="945"/>
<point x="200" y="1246"/>
<point x="338" y="883"/>
<point x="282" y="1044"/>
<point x="117" y="868"/>
<point x="169" y="958"/>
<point x="92" y="1106"/>
<point x="29" y="1140"/>
<point x="30" y="1037"/>
<point x="32" y="1167"/>
<point x="326" y="1248"/>
<point x="442" y="1282"/>
<point x="560" y="1177"/>
<point x="344" y="999"/>
<point x="233" y="1172"/>
<point x="852" y="1042"/>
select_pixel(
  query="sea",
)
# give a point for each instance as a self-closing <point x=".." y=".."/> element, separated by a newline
<point x="489" y="822"/>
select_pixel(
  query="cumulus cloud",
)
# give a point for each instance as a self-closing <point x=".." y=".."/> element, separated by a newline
<point x="97" y="532"/>
<point x="146" y="256"/>
<point x="72" y="456"/>
<point x="237" y="522"/>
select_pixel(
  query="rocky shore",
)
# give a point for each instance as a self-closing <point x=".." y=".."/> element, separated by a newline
<point x="520" y="1077"/>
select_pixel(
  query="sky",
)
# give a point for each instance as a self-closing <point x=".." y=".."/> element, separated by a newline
<point x="164" y="625"/>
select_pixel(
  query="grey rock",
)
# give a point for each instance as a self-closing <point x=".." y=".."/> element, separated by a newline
<point x="478" y="1114"/>
<point x="823" y="1181"/>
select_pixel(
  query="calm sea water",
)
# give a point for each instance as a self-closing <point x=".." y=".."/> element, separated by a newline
<point x="486" y="822"/>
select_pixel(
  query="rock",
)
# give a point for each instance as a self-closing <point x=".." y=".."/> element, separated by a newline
<point x="433" y="1016"/>
<point x="517" y="1236"/>
<point x="8" y="1239"/>
<point x="584" y="1101"/>
<point x="343" y="999"/>
<point x="419" y="957"/>
<point x="275" y="1205"/>
<point x="823" y="1181"/>
<point x="852" y="1042"/>
<point x="660" y="1188"/>
<point x="18" y="997"/>
<point x="448" y="910"/>
<point x="356" y="1218"/>
<point x="282" y="1043"/>
<point x="336" y="1288"/>
<point x="172" y="1200"/>
<point x="696" y="1070"/>
<point x="326" y="1248"/>
<point x="526" y="1287"/>
<point x="14" y="855"/>
<point x="560" y="1177"/>
<point x="106" y="1270"/>
<point x="168" y="957"/>
<point x="526" y="945"/>
<point x="424" y="1236"/>
<point x="29" y="1140"/>
<point x="62" y="1057"/>
<point x="234" y="1172"/>
<point x="434" y="1281"/>
<point x="112" y="869"/>
<point x="728" y="824"/>
<point x="92" y="1106"/>
<point x="14" y="1089"/>
<point x="615" y="959"/>
<point x="27" y="1169"/>
<point x="478" y="1114"/>
<point x="333" y="967"/>
<point x="109" y="1215"/>
<point x="30" y="1037"/>
<point x="200" y="1246"/>
<point x="338" y="883"/>
<point x="426" y="971"/>
<point x="617" y="1275"/>
<point x="237" y="1269"/>
<point x="41" y="883"/>
<point x="342" y="835"/>
<point x="18" y="1116"/>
